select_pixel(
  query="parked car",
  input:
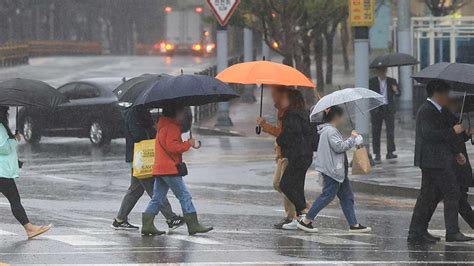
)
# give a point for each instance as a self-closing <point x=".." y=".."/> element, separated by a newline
<point x="93" y="112"/>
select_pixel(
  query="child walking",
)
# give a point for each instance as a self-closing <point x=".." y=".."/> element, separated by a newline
<point x="331" y="162"/>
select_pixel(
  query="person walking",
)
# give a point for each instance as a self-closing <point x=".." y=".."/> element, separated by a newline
<point x="9" y="171"/>
<point x="168" y="171"/>
<point x="387" y="87"/>
<point x="139" y="126"/>
<point x="279" y="92"/>
<point x="331" y="162"/>
<point x="435" y="153"/>
<point x="295" y="140"/>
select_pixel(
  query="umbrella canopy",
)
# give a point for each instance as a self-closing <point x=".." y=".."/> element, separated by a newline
<point x="353" y="99"/>
<point x="185" y="90"/>
<point x="459" y="76"/>
<point x="28" y="92"/>
<point x="264" y="72"/>
<point x="392" y="60"/>
<point x="131" y="89"/>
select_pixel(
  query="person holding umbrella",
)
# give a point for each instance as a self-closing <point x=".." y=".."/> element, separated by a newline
<point x="388" y="88"/>
<point x="9" y="171"/>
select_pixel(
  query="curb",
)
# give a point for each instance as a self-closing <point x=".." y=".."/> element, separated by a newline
<point x="393" y="191"/>
<point x="214" y="131"/>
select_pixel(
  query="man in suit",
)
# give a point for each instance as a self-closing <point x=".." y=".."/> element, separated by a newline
<point x="387" y="87"/>
<point x="436" y="153"/>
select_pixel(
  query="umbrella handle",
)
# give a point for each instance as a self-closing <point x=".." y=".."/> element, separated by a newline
<point x="258" y="130"/>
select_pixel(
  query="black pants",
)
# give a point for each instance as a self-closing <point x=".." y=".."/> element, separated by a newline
<point x="9" y="190"/>
<point x="377" y="119"/>
<point x="465" y="208"/>
<point x="436" y="185"/>
<point x="293" y="179"/>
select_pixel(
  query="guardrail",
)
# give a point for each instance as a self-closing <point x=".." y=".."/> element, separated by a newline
<point x="48" y="48"/>
<point x="13" y="54"/>
<point x="204" y="112"/>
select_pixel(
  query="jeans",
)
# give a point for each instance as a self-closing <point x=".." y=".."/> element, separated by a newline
<point x="9" y="190"/>
<point x="330" y="190"/>
<point x="160" y="190"/>
<point x="135" y="191"/>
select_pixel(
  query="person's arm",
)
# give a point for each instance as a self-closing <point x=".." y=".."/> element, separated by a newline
<point x="431" y="133"/>
<point x="270" y="129"/>
<point x="174" y="143"/>
<point x="338" y="144"/>
<point x="395" y="87"/>
<point x="291" y="126"/>
<point x="5" y="144"/>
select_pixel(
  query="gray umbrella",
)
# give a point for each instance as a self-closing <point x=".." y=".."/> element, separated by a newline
<point x="459" y="76"/>
<point x="395" y="59"/>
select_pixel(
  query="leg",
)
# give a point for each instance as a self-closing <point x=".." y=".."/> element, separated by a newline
<point x="390" y="125"/>
<point x="160" y="190"/>
<point x="465" y="208"/>
<point x="177" y="185"/>
<point x="134" y="192"/>
<point x="329" y="192"/>
<point x="376" y="132"/>
<point x="10" y="191"/>
<point x="290" y="184"/>
<point x="280" y="169"/>
<point x="446" y="182"/>
<point x="166" y="209"/>
<point x="346" y="199"/>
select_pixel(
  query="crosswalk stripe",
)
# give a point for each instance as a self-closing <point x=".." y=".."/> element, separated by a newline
<point x="6" y="233"/>
<point x="330" y="240"/>
<point x="81" y="240"/>
<point x="195" y="239"/>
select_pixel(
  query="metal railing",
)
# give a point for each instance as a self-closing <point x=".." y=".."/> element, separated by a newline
<point x="48" y="48"/>
<point x="13" y="54"/>
<point x="207" y="111"/>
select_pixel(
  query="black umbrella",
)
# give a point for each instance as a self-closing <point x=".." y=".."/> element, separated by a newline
<point x="28" y="92"/>
<point x="459" y="76"/>
<point x="392" y="60"/>
<point x="185" y="90"/>
<point x="131" y="89"/>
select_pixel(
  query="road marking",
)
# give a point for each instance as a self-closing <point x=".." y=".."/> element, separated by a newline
<point x="6" y="233"/>
<point x="330" y="240"/>
<point x="196" y="239"/>
<point x="81" y="240"/>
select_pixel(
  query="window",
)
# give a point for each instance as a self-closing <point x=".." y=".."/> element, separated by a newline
<point x="76" y="91"/>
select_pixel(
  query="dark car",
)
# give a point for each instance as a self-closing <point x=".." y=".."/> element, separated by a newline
<point x="93" y="112"/>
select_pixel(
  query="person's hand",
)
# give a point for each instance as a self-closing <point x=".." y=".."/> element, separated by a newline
<point x="192" y="142"/>
<point x="354" y="133"/>
<point x="461" y="159"/>
<point x="261" y="121"/>
<point x="18" y="136"/>
<point x="395" y="89"/>
<point x="458" y="128"/>
<point x="468" y="131"/>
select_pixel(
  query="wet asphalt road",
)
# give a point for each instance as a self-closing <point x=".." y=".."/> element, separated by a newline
<point x="78" y="188"/>
<point x="67" y="182"/>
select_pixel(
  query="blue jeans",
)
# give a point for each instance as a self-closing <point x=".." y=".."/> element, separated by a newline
<point x="160" y="190"/>
<point x="331" y="189"/>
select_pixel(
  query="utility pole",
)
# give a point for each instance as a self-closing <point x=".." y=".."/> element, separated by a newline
<point x="223" y="118"/>
<point x="404" y="46"/>
<point x="248" y="95"/>
<point x="361" y="70"/>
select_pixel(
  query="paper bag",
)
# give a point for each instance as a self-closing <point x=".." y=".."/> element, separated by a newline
<point x="360" y="162"/>
<point x="143" y="159"/>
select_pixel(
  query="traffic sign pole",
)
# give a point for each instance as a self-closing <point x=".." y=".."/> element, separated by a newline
<point x="248" y="95"/>
<point x="223" y="118"/>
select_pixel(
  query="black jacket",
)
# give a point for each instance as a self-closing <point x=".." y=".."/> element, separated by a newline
<point x="296" y="138"/>
<point x="139" y="125"/>
<point x="463" y="172"/>
<point x="435" y="142"/>
<point x="374" y="85"/>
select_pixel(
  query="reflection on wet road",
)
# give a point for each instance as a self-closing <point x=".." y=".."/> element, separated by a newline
<point x="79" y="188"/>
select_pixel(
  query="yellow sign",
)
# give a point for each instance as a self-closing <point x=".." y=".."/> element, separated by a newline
<point x="362" y="13"/>
<point x="143" y="159"/>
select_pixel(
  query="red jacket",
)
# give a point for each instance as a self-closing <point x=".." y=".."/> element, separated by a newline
<point x="169" y="147"/>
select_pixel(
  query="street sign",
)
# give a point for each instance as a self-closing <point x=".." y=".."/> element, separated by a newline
<point x="223" y="9"/>
<point x="362" y="13"/>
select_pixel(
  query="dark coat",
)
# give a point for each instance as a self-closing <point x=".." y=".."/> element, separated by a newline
<point x="296" y="137"/>
<point x="139" y="126"/>
<point x="463" y="172"/>
<point x="435" y="142"/>
<point x="375" y="86"/>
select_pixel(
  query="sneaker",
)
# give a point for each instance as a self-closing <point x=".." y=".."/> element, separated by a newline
<point x="175" y="222"/>
<point x="359" y="229"/>
<point x="123" y="226"/>
<point x="391" y="155"/>
<point x="307" y="227"/>
<point x="377" y="159"/>
<point x="291" y="225"/>
<point x="281" y="223"/>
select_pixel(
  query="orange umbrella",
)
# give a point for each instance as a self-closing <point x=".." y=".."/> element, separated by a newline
<point x="264" y="72"/>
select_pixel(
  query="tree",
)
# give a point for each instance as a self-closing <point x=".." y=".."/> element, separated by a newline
<point x="441" y="8"/>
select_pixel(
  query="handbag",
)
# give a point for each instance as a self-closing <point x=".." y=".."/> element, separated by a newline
<point x="360" y="161"/>
<point x="181" y="166"/>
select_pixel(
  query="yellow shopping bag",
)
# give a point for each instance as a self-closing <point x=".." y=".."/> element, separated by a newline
<point x="143" y="159"/>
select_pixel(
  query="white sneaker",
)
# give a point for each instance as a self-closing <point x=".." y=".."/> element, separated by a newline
<point x="291" y="225"/>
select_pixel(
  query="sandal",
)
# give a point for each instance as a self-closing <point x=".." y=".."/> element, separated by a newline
<point x="42" y="229"/>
